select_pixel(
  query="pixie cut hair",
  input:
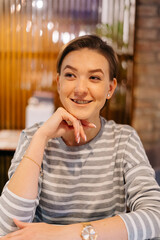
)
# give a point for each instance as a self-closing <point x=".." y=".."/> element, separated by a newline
<point x="92" y="42"/>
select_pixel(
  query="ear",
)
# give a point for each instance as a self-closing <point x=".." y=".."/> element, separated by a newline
<point x="58" y="84"/>
<point x="112" y="87"/>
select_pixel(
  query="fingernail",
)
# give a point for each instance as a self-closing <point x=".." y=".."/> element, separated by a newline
<point x="78" y="140"/>
<point x="85" y="137"/>
<point x="94" y="125"/>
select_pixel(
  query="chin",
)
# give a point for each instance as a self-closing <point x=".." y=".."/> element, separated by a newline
<point x="80" y="116"/>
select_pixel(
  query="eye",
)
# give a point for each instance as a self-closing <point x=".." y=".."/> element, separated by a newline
<point x="69" y="75"/>
<point x="95" y="78"/>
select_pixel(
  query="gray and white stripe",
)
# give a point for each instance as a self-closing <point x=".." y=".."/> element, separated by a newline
<point x="94" y="181"/>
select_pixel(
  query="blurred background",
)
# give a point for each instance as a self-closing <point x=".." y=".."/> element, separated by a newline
<point x="32" y="33"/>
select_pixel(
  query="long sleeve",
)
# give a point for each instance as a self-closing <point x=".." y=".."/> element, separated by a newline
<point x="116" y="173"/>
<point x="142" y="193"/>
<point x="11" y="205"/>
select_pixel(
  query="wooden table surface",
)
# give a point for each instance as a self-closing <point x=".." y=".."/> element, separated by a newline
<point x="9" y="139"/>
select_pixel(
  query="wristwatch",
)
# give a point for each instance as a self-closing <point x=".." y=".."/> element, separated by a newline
<point x="88" y="232"/>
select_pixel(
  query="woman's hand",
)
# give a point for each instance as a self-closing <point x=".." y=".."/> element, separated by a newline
<point x="41" y="231"/>
<point x="26" y="185"/>
<point x="34" y="231"/>
<point x="61" y="122"/>
<point x="107" y="229"/>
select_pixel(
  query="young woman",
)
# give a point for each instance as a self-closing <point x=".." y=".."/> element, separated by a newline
<point x="79" y="176"/>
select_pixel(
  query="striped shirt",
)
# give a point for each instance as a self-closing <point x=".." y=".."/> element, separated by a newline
<point x="100" y="179"/>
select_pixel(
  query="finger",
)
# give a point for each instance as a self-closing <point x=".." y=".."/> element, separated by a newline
<point x="85" y="123"/>
<point x="72" y="122"/>
<point x="82" y="133"/>
<point x="67" y="121"/>
<point x="12" y="235"/>
<point x="20" y="224"/>
<point x="76" y="127"/>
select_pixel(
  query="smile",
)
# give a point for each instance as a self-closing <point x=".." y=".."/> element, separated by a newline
<point x="81" y="101"/>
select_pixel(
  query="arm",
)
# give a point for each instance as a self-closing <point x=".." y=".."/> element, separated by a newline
<point x="20" y="196"/>
<point x="54" y="127"/>
<point x="107" y="229"/>
<point x="142" y="192"/>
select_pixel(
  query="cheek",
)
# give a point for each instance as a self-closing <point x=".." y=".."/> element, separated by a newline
<point x="64" y="93"/>
<point x="101" y="92"/>
<point x="63" y="88"/>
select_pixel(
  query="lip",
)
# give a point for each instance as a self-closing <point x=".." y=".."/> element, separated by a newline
<point x="81" y="101"/>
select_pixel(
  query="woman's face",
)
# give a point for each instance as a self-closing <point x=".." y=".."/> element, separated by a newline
<point x="84" y="84"/>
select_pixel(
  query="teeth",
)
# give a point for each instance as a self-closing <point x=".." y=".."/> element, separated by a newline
<point x="81" y="101"/>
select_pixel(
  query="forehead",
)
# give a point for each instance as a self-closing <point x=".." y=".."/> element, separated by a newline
<point x="86" y="57"/>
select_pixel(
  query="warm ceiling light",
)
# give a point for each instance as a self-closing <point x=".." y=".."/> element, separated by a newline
<point x="50" y="25"/>
<point x="39" y="4"/>
<point x="55" y="36"/>
<point x="12" y="8"/>
<point x="18" y="8"/>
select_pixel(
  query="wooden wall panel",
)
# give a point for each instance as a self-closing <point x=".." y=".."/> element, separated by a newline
<point x="31" y="35"/>
<point x="26" y="58"/>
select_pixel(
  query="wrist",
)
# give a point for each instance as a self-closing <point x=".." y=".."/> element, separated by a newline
<point x="37" y="146"/>
<point x="88" y="232"/>
<point x="40" y="135"/>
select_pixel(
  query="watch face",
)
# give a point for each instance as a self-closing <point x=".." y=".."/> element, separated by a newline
<point x="88" y="233"/>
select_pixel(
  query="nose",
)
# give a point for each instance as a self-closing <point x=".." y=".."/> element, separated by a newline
<point x="81" y="87"/>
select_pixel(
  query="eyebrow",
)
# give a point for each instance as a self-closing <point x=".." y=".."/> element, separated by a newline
<point x="69" y="66"/>
<point x="96" y="70"/>
<point x="90" y="71"/>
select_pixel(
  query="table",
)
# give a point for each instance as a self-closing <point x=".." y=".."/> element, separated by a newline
<point x="8" y="144"/>
<point x="9" y="140"/>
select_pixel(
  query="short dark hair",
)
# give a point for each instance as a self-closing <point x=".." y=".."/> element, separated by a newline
<point x="92" y="42"/>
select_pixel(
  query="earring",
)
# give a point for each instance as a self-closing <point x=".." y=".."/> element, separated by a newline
<point x="108" y="95"/>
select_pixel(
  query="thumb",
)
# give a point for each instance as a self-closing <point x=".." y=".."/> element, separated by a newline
<point x="20" y="224"/>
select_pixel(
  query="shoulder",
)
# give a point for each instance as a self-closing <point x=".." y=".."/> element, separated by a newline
<point x="112" y="128"/>
<point x="116" y="136"/>
<point x="30" y="131"/>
